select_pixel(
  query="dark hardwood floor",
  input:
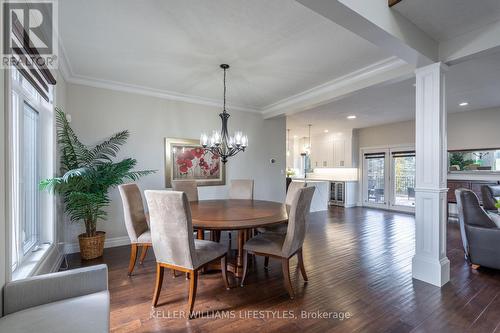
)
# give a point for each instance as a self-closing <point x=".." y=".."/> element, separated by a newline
<point x="358" y="262"/>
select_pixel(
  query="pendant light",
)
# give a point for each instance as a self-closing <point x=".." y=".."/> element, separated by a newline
<point x="220" y="143"/>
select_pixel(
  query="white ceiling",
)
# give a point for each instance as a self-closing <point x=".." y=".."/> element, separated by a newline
<point x="275" y="48"/>
<point x="476" y="81"/>
<point x="446" y="19"/>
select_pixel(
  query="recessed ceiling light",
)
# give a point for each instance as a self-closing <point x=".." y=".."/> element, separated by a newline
<point x="326" y="131"/>
<point x="464" y="104"/>
<point x="351" y="117"/>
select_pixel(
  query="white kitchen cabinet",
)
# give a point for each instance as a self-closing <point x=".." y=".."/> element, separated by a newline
<point x="322" y="152"/>
<point x="339" y="152"/>
<point x="328" y="151"/>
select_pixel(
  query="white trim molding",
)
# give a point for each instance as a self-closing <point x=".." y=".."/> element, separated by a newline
<point x="383" y="71"/>
<point x="386" y="70"/>
<point x="147" y="91"/>
<point x="109" y="242"/>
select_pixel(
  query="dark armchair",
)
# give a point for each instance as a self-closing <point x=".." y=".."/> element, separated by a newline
<point x="480" y="235"/>
<point x="491" y="194"/>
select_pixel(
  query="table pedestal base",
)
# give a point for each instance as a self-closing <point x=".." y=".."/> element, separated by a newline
<point x="235" y="256"/>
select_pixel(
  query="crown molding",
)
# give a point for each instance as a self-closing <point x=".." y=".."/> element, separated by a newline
<point x="321" y="94"/>
<point x="147" y="91"/>
<point x="302" y="101"/>
<point x="64" y="65"/>
<point x="69" y="76"/>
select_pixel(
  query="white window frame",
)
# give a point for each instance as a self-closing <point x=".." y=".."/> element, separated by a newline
<point x="23" y="262"/>
<point x="393" y="206"/>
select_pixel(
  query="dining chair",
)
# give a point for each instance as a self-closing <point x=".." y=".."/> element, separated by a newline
<point x="282" y="228"/>
<point x="190" y="187"/>
<point x="135" y="222"/>
<point x="281" y="246"/>
<point x="241" y="189"/>
<point x="174" y="244"/>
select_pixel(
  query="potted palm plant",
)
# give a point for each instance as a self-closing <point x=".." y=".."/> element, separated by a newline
<point x="86" y="176"/>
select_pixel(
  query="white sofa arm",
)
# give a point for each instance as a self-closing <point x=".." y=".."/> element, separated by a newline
<point x="47" y="288"/>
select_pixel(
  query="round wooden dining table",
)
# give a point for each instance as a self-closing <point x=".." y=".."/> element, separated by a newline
<point x="240" y="215"/>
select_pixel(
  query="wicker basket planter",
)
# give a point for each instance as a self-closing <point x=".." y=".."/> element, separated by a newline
<point x="91" y="247"/>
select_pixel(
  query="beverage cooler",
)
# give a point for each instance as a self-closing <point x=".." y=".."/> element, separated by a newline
<point x="337" y="194"/>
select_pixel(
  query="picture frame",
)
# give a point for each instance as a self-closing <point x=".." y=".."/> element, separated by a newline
<point x="185" y="159"/>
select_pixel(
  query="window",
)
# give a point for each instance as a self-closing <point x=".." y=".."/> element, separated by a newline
<point x="30" y="219"/>
<point x="483" y="161"/>
<point x="375" y="178"/>
<point x="389" y="176"/>
<point x="31" y="158"/>
<point x="403" y="186"/>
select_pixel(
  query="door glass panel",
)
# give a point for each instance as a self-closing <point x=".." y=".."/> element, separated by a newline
<point x="404" y="179"/>
<point x="375" y="178"/>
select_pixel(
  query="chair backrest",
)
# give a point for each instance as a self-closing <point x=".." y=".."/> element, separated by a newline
<point x="297" y="218"/>
<point x="470" y="211"/>
<point x="241" y="189"/>
<point x="292" y="190"/>
<point x="171" y="228"/>
<point x="133" y="211"/>
<point x="190" y="187"/>
<point x="490" y="194"/>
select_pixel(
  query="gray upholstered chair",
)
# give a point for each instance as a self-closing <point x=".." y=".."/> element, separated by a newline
<point x="174" y="244"/>
<point x="135" y="222"/>
<point x="292" y="190"/>
<point x="76" y="300"/>
<point x="491" y="194"/>
<point x="480" y="234"/>
<point x="285" y="246"/>
<point x="282" y="228"/>
<point x="241" y="189"/>
<point x="190" y="187"/>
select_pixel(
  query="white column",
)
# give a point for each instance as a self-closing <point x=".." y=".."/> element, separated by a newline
<point x="430" y="263"/>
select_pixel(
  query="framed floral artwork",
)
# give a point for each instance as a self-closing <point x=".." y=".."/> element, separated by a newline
<point x="185" y="159"/>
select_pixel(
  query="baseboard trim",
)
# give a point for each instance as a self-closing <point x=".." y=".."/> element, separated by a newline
<point x="109" y="242"/>
<point x="57" y="263"/>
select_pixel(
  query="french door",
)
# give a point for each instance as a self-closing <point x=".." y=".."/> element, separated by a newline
<point x="389" y="178"/>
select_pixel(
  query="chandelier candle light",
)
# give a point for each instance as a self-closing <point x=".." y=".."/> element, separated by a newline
<point x="220" y="143"/>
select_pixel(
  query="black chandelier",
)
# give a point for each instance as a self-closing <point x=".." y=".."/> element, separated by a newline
<point x="220" y="143"/>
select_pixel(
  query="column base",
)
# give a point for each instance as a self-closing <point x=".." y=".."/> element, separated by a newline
<point x="435" y="272"/>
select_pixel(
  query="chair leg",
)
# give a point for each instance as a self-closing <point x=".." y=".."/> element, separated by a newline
<point x="223" y="267"/>
<point x="159" y="282"/>
<point x="133" y="257"/>
<point x="193" y="284"/>
<point x="266" y="262"/>
<point x="285" y="264"/>
<point x="245" y="267"/>
<point x="301" y="264"/>
<point x="143" y="254"/>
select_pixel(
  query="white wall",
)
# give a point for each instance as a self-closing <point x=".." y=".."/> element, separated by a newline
<point x="474" y="129"/>
<point x="388" y="134"/>
<point x="466" y="130"/>
<point x="98" y="113"/>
